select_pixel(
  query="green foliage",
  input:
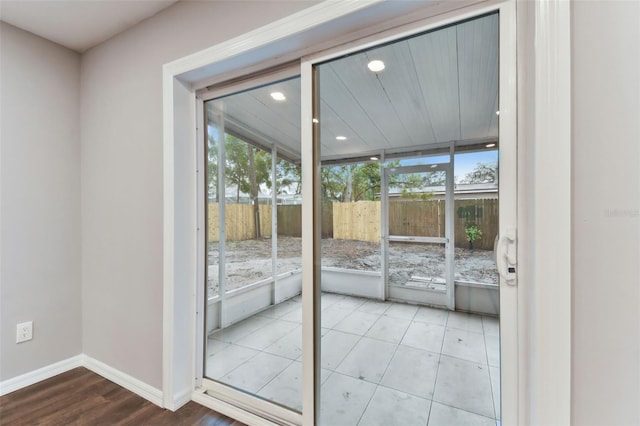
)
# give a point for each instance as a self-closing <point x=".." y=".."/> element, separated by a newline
<point x="343" y="183"/>
<point x="237" y="165"/>
<point x="288" y="176"/>
<point x="353" y="182"/>
<point x="483" y="173"/>
<point x="237" y="170"/>
<point x="423" y="196"/>
<point x="473" y="233"/>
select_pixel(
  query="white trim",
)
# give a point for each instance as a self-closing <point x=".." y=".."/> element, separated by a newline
<point x="261" y="408"/>
<point x="180" y="220"/>
<point x="128" y="382"/>
<point x="201" y="246"/>
<point x="182" y="398"/>
<point x="44" y="373"/>
<point x="168" y="317"/>
<point x="229" y="410"/>
<point x="551" y="393"/>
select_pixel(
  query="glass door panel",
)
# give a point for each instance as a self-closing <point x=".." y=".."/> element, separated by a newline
<point x="253" y="316"/>
<point x="401" y="343"/>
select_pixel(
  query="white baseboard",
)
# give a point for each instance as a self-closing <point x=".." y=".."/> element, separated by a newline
<point x="128" y="382"/>
<point x="35" y="376"/>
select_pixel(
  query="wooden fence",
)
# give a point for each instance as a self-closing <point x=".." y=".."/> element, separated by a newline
<point x="240" y="224"/>
<point x="239" y="221"/>
<point x="361" y="220"/>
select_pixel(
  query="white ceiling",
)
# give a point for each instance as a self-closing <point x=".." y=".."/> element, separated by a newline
<point x="437" y="87"/>
<point x="78" y="24"/>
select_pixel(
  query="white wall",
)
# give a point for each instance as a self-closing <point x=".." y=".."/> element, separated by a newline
<point x="606" y="212"/>
<point x="40" y="201"/>
<point x="121" y="132"/>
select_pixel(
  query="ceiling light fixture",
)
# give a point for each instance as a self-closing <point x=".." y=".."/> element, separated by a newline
<point x="490" y="145"/>
<point x="376" y="66"/>
<point x="315" y="120"/>
<point x="498" y="112"/>
<point x="278" y="96"/>
<point x="374" y="158"/>
<point x="341" y="138"/>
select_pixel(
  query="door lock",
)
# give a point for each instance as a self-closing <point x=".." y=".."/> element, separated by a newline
<point x="506" y="259"/>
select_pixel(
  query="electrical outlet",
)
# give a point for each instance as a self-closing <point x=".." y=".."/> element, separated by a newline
<point x="24" y="332"/>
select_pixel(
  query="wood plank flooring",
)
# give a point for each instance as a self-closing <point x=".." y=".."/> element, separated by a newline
<point x="81" y="397"/>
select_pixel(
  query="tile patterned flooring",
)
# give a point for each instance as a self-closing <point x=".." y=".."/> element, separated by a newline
<point x="383" y="363"/>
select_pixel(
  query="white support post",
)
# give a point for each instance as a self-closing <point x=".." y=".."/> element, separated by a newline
<point x="449" y="231"/>
<point x="222" y="230"/>
<point x="274" y="223"/>
<point x="384" y="218"/>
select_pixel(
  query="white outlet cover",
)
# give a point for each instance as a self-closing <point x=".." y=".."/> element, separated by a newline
<point x="24" y="331"/>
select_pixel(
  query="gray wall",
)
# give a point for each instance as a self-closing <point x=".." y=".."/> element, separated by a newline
<point x="122" y="174"/>
<point x="606" y="218"/>
<point x="40" y="199"/>
<point x="121" y="158"/>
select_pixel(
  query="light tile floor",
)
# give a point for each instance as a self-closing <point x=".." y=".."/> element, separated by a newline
<point x="382" y="363"/>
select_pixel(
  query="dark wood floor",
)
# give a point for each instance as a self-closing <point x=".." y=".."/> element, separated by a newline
<point x="81" y="397"/>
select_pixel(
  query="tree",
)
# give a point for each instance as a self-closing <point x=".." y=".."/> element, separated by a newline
<point x="482" y="173"/>
<point x="246" y="168"/>
<point x="366" y="181"/>
<point x="355" y="182"/>
<point x="238" y="169"/>
<point x="289" y="176"/>
<point x="212" y="167"/>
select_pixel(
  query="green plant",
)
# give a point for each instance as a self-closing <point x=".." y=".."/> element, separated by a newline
<point x="473" y="234"/>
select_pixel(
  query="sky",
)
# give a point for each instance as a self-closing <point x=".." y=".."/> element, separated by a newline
<point x="464" y="163"/>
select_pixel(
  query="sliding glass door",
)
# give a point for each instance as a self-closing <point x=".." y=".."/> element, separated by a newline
<point x="389" y="265"/>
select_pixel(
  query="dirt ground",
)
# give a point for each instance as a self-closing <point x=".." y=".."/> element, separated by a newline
<point x="409" y="263"/>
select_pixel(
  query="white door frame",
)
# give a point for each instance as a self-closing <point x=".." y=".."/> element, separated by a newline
<point x="425" y="296"/>
<point x="544" y="361"/>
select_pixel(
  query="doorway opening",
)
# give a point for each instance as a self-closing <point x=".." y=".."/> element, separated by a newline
<point x="409" y="185"/>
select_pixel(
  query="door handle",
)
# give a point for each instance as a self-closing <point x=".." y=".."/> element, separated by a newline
<point x="505" y="254"/>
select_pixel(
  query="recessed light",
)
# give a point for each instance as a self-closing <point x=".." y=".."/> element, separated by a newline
<point x="341" y="138"/>
<point x="498" y="112"/>
<point x="490" y="145"/>
<point x="433" y="166"/>
<point x="278" y="96"/>
<point x="315" y="120"/>
<point x="376" y="65"/>
<point x="374" y="158"/>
